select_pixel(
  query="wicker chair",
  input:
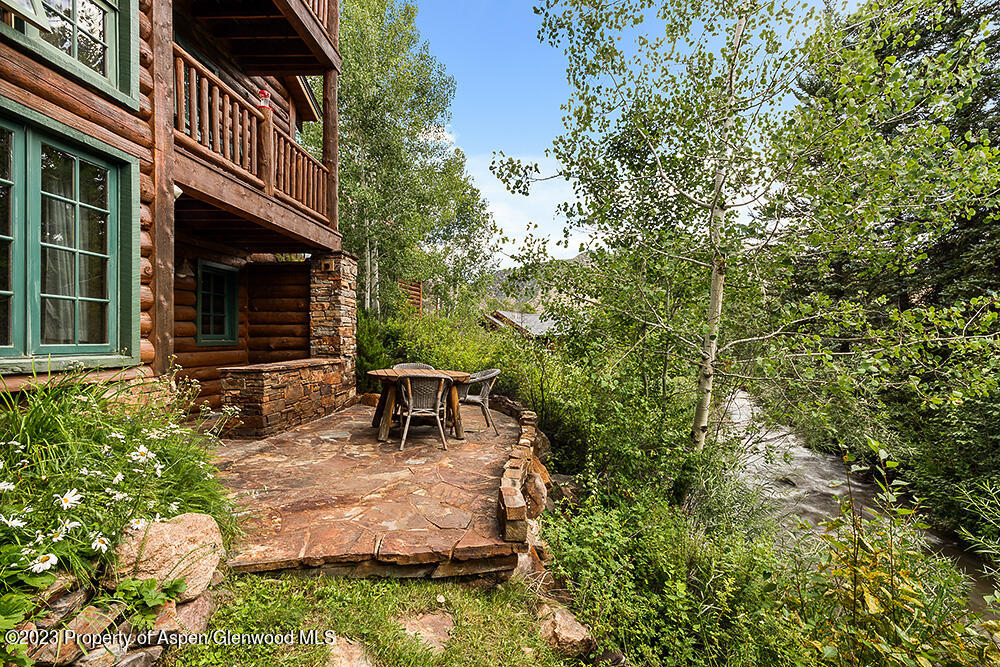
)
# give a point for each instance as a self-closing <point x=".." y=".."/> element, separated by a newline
<point x="423" y="396"/>
<point x="412" y="367"/>
<point x="485" y="380"/>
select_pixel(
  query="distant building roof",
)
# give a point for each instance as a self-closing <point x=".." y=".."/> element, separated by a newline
<point x="536" y="325"/>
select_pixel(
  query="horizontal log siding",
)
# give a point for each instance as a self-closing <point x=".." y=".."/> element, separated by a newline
<point x="279" y="311"/>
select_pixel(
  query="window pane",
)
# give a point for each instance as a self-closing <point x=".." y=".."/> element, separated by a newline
<point x="61" y="36"/>
<point x="57" y="321"/>
<point x="205" y="325"/>
<point x="5" y="280"/>
<point x="93" y="322"/>
<point x="93" y="185"/>
<point x="218" y="304"/>
<point x="90" y="53"/>
<point x="57" y="172"/>
<point x="93" y="231"/>
<point x="5" y="320"/>
<point x="218" y="325"/>
<point x="6" y="145"/>
<point x="58" y="221"/>
<point x="58" y="272"/>
<point x="63" y="6"/>
<point x="93" y="277"/>
<point x="5" y="209"/>
<point x="90" y="17"/>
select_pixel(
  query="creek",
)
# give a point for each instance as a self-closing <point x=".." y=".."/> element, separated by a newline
<point x="811" y="485"/>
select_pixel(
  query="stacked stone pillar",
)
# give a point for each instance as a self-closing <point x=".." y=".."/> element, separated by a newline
<point x="333" y="308"/>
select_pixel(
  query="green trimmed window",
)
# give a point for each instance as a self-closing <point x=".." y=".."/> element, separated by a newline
<point x="61" y="252"/>
<point x="95" y="41"/>
<point x="218" y="304"/>
<point x="86" y="30"/>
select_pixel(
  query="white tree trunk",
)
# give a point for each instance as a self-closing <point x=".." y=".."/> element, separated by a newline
<point x="709" y="351"/>
<point x="716" y="219"/>
<point x="368" y="271"/>
<point x="376" y="281"/>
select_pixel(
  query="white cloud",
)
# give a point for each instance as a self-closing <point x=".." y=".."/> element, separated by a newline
<point x="514" y="213"/>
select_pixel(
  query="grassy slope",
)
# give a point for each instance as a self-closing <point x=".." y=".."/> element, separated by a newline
<point x="492" y="627"/>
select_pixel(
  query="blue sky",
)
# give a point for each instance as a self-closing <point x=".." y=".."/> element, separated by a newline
<point x="510" y="88"/>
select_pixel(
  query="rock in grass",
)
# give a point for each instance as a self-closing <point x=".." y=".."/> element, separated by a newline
<point x="347" y="653"/>
<point x="186" y="547"/>
<point x="433" y="629"/>
<point x="562" y="632"/>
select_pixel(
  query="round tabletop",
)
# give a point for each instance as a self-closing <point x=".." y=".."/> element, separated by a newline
<point x="393" y="374"/>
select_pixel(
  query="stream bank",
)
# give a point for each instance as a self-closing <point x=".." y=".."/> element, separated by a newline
<point x="809" y="485"/>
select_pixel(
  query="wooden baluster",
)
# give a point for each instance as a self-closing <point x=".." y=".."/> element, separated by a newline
<point x="254" y="138"/>
<point x="237" y="134"/>
<point x="226" y="111"/>
<point x="206" y="139"/>
<point x="216" y="122"/>
<point x="192" y="94"/>
<point x="245" y="133"/>
<point x="179" y="93"/>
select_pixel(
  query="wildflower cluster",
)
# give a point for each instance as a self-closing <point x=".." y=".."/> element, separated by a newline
<point x="82" y="464"/>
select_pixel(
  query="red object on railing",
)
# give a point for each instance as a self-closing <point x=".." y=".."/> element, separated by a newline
<point x="265" y="100"/>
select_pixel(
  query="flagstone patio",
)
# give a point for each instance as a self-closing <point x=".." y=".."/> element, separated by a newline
<point x="328" y="496"/>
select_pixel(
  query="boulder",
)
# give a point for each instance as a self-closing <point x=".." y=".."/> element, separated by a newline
<point x="92" y="621"/>
<point x="562" y="632"/>
<point x="188" y="546"/>
<point x="369" y="400"/>
<point x="192" y="617"/>
<point x="535" y="495"/>
<point x="543" y="448"/>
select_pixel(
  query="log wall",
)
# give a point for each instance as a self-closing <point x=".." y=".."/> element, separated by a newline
<point x="278" y="312"/>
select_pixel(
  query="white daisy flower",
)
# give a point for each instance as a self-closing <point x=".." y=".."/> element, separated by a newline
<point x="68" y="500"/>
<point x="12" y="522"/>
<point x="6" y="486"/>
<point x="137" y="524"/>
<point x="68" y="524"/>
<point x="100" y="543"/>
<point x="142" y="455"/>
<point x="39" y="538"/>
<point x="173" y="506"/>
<point x="43" y="563"/>
<point x="117" y="436"/>
<point x="58" y="535"/>
<point x="27" y="552"/>
<point x="118" y="478"/>
<point x="158" y="469"/>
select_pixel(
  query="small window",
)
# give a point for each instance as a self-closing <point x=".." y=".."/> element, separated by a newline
<point x="84" y="30"/>
<point x="218" y="310"/>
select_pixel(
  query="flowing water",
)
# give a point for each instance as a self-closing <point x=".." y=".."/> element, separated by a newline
<point x="811" y="485"/>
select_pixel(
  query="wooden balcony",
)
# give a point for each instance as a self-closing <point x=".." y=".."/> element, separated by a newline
<point x="231" y="154"/>
<point x="275" y="37"/>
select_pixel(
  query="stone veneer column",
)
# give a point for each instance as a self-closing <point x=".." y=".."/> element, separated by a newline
<point x="333" y="304"/>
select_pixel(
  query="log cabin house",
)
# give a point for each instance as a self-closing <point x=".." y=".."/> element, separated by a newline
<point x="151" y="177"/>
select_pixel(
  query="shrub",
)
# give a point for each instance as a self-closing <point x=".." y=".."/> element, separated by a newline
<point x="654" y="584"/>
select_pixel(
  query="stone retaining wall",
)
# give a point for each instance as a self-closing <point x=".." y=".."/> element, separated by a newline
<point x="277" y="396"/>
<point x="525" y="481"/>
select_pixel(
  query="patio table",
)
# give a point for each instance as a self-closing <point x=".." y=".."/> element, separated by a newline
<point x="389" y="378"/>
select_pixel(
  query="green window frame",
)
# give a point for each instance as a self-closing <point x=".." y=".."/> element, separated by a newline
<point x="217" y="304"/>
<point x="73" y="36"/>
<point x="67" y="254"/>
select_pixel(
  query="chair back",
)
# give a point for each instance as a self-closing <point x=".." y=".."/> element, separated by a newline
<point x="412" y="367"/>
<point x="485" y="380"/>
<point x="424" y="392"/>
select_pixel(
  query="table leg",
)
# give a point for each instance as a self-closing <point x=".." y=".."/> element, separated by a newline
<point x="386" y="422"/>
<point x="456" y="412"/>
<point x="381" y="405"/>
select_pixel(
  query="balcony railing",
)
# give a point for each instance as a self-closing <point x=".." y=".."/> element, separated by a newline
<point x="218" y="124"/>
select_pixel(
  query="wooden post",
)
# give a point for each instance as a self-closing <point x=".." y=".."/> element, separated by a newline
<point x="331" y="140"/>
<point x="163" y="177"/>
<point x="331" y="134"/>
<point x="266" y="153"/>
